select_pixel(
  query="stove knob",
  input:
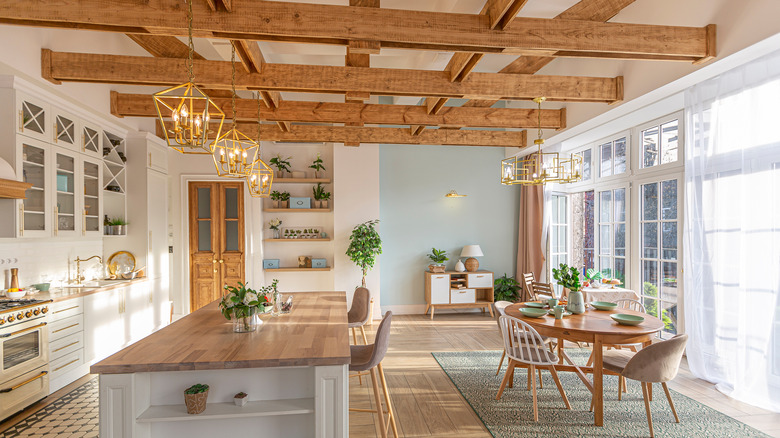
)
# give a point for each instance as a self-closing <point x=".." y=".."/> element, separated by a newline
<point x="19" y="316"/>
<point x="28" y="314"/>
<point x="2" y="321"/>
<point x="45" y="310"/>
<point x="36" y="312"/>
<point x="11" y="318"/>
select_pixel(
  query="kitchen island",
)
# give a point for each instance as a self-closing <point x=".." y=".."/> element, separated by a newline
<point x="294" y="369"/>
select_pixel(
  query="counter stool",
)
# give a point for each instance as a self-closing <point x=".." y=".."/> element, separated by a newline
<point x="359" y="314"/>
<point x="367" y="359"/>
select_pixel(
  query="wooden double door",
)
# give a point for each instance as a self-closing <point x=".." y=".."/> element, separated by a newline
<point x="216" y="239"/>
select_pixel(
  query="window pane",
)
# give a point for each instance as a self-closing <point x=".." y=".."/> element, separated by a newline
<point x="669" y="282"/>
<point x="620" y="269"/>
<point x="204" y="202"/>
<point x="650" y="278"/>
<point x="231" y="235"/>
<point x="204" y="235"/>
<point x="669" y="317"/>
<point x="650" y="201"/>
<point x="605" y="246"/>
<point x="669" y="199"/>
<point x="651" y="306"/>
<point x="604" y="267"/>
<point x="582" y="229"/>
<point x="231" y="203"/>
<point x="650" y="239"/>
<point x="620" y="156"/>
<point x="606" y="159"/>
<point x="620" y="239"/>
<point x="554" y="217"/>
<point x="586" y="155"/>
<point x="650" y="147"/>
<point x="669" y="240"/>
<point x="620" y="205"/>
<point x="562" y="239"/>
<point x="605" y="207"/>
<point x="561" y="209"/>
<point x="669" y="137"/>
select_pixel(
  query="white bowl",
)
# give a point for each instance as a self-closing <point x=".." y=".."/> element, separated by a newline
<point x="15" y="295"/>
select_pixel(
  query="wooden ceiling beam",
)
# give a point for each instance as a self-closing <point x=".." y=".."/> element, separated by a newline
<point x="395" y="28"/>
<point x="355" y="134"/>
<point x="250" y="55"/>
<point x="216" y="5"/>
<point x="142" y="105"/>
<point x="502" y="12"/>
<point x="139" y="70"/>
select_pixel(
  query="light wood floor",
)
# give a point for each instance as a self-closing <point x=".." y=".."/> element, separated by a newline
<point x="428" y="404"/>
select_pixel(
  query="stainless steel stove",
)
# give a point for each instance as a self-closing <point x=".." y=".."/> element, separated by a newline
<point x="24" y="349"/>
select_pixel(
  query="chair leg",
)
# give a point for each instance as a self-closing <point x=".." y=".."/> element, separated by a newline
<point x="511" y="375"/>
<point x="501" y="362"/>
<point x="354" y="342"/>
<point x="625" y="384"/>
<point x="560" y="387"/>
<point x="378" y="400"/>
<point x="390" y="413"/>
<point x="540" y="379"/>
<point x="671" y="403"/>
<point x="363" y="331"/>
<point x="647" y="407"/>
<point x="505" y="380"/>
<point x="620" y="387"/>
<point x="649" y="391"/>
<point x="532" y="373"/>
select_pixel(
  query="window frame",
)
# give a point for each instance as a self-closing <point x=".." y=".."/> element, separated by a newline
<point x="675" y="166"/>
<point x="627" y="134"/>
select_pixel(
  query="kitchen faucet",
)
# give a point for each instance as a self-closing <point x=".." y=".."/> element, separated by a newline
<point x="80" y="277"/>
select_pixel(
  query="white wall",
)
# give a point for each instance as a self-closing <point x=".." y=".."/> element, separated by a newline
<point x="56" y="266"/>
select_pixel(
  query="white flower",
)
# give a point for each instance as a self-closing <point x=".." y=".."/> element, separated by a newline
<point x="229" y="300"/>
<point x="249" y="297"/>
<point x="274" y="222"/>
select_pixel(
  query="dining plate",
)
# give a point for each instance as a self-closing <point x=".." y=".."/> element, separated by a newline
<point x="535" y="304"/>
<point x="533" y="313"/>
<point x="603" y="305"/>
<point x="552" y="312"/>
<point x="622" y="318"/>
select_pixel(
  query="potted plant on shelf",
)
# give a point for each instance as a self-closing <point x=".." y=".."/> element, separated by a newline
<point x="117" y="226"/>
<point x="506" y="288"/>
<point x="325" y="199"/>
<point x="240" y="305"/>
<point x="195" y="398"/>
<point x="284" y="197"/>
<point x="275" y="198"/>
<point x="317" y="166"/>
<point x="240" y="399"/>
<point x="438" y="257"/>
<point x="282" y="165"/>
<point x="274" y="225"/>
<point x="569" y="279"/>
<point x="318" y="191"/>
<point x="364" y="246"/>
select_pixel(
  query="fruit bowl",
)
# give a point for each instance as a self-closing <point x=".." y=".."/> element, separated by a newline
<point x="622" y="318"/>
<point x="603" y="305"/>
<point x="532" y="312"/>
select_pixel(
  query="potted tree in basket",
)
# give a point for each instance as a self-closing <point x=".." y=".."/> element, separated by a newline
<point x="438" y="257"/>
<point x="276" y="197"/>
<point x="364" y="246"/>
<point x="195" y="398"/>
<point x="317" y="166"/>
<point x="282" y="165"/>
<point x="284" y="197"/>
<point x="318" y="191"/>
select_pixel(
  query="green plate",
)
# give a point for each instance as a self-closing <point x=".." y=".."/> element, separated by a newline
<point x="565" y="312"/>
<point x="533" y="313"/>
<point x="622" y="318"/>
<point x="535" y="304"/>
<point x="603" y="305"/>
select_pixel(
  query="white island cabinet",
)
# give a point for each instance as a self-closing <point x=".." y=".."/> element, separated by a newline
<point x="294" y="369"/>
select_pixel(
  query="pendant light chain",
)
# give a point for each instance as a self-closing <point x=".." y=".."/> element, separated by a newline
<point x="259" y="122"/>
<point x="233" y="79"/>
<point x="191" y="55"/>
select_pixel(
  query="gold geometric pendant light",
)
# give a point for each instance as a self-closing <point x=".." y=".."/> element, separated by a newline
<point x="235" y="154"/>
<point x="539" y="168"/>
<point x="187" y="115"/>
<point x="262" y="177"/>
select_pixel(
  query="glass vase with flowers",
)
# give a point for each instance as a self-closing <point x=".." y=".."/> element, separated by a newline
<point x="241" y="305"/>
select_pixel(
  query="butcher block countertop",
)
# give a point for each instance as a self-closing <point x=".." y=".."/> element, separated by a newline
<point x="315" y="333"/>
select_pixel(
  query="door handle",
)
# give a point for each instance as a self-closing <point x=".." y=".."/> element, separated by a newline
<point x="221" y="261"/>
<point x="8" y="335"/>
<point x="214" y="261"/>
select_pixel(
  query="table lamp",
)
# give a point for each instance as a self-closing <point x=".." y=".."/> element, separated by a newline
<point x="471" y="251"/>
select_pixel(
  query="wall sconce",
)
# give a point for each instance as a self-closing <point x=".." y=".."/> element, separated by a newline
<point x="454" y="194"/>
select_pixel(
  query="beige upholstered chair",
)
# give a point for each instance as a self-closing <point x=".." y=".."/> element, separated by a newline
<point x="630" y="305"/>
<point x="653" y="364"/>
<point x="525" y="348"/>
<point x="367" y="359"/>
<point x="359" y="315"/>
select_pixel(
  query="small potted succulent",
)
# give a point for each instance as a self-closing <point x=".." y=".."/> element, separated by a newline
<point x="240" y="399"/>
<point x="438" y="257"/>
<point x="195" y="398"/>
<point x="285" y="199"/>
<point x="317" y="166"/>
<point x="282" y="165"/>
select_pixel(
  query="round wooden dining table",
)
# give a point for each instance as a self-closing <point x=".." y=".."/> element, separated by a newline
<point x="597" y="328"/>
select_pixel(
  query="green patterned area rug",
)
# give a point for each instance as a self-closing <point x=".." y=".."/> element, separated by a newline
<point x="474" y="374"/>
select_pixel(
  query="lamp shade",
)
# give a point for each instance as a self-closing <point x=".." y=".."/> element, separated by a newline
<point x="471" y="251"/>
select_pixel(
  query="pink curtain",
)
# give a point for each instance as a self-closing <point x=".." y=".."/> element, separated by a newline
<point x="530" y="252"/>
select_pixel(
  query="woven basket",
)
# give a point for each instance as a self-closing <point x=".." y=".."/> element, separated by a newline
<point x="196" y="403"/>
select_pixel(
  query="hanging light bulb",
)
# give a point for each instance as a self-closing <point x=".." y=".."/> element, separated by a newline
<point x="262" y="177"/>
<point x="238" y="146"/>
<point x="183" y="132"/>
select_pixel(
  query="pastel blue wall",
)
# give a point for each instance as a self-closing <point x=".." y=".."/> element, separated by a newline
<point x="415" y="215"/>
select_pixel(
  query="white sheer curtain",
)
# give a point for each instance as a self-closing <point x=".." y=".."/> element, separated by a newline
<point x="732" y="231"/>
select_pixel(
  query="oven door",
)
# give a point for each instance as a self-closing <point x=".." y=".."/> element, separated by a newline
<point x="26" y="389"/>
<point x="23" y="348"/>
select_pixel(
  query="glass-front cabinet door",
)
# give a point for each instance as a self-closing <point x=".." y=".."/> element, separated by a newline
<point x="91" y="204"/>
<point x="34" y="217"/>
<point x="90" y="141"/>
<point x="65" y="206"/>
<point x="65" y="130"/>
<point x="33" y="116"/>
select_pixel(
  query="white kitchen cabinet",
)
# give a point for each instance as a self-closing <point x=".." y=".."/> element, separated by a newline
<point x="34" y="217"/>
<point x="33" y="116"/>
<point x="66" y="343"/>
<point x="439" y="289"/>
<point x="91" y="140"/>
<point x="104" y="324"/>
<point x="139" y="311"/>
<point x="91" y="197"/>
<point x="66" y="129"/>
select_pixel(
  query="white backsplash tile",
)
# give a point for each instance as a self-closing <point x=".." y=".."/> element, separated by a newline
<point x="47" y="260"/>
